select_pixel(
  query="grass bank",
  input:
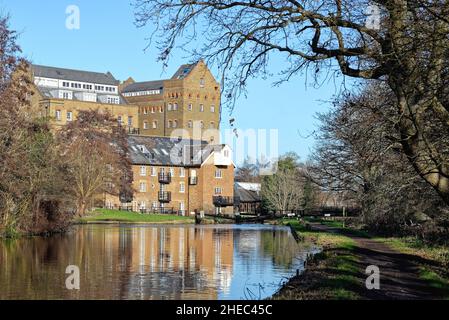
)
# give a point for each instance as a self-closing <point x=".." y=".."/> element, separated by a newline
<point x="107" y="215"/>
<point x="336" y="273"/>
<point x="331" y="274"/>
<point x="435" y="266"/>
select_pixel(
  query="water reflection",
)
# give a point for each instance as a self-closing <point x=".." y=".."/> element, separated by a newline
<point x="151" y="262"/>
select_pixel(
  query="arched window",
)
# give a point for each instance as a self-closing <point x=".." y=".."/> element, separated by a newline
<point x="190" y="124"/>
<point x="175" y="123"/>
<point x="169" y="124"/>
<point x="155" y="124"/>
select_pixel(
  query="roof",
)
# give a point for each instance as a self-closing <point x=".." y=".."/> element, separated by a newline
<point x="74" y="75"/>
<point x="184" y="70"/>
<point x="144" y="86"/>
<point x="250" y="186"/>
<point x="166" y="151"/>
<point x="46" y="93"/>
<point x="246" y="195"/>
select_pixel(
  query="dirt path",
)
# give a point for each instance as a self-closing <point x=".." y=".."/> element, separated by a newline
<point x="398" y="272"/>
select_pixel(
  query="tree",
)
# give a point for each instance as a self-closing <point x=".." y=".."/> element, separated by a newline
<point x="283" y="191"/>
<point x="95" y="150"/>
<point x="406" y="47"/>
<point x="357" y="156"/>
<point x="30" y="171"/>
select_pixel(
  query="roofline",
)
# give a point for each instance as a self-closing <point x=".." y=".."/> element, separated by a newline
<point x="77" y="70"/>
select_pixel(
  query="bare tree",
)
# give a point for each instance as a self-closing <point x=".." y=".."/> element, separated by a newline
<point x="358" y="156"/>
<point x="96" y="152"/>
<point x="30" y="179"/>
<point x="407" y="48"/>
<point x="284" y="190"/>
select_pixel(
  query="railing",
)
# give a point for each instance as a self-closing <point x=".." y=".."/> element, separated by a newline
<point x="193" y="181"/>
<point x="159" y="210"/>
<point x="220" y="201"/>
<point x="133" y="131"/>
<point x="164" y="196"/>
<point x="164" y="178"/>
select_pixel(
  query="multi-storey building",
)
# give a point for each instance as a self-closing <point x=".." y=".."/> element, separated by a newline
<point x="61" y="93"/>
<point x="179" y="176"/>
<point x="185" y="107"/>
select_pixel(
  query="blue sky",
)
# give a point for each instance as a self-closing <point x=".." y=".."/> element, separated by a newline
<point x="108" y="41"/>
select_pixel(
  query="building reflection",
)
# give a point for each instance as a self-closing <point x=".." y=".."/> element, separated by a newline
<point x="144" y="262"/>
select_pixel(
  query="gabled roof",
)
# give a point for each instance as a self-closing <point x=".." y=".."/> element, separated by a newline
<point x="144" y="86"/>
<point x="74" y="75"/>
<point x="166" y="151"/>
<point x="246" y="195"/>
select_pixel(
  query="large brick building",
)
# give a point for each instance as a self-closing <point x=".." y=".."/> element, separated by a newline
<point x="179" y="176"/>
<point x="180" y="114"/>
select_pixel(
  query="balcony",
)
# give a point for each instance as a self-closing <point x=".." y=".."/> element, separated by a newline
<point x="164" y="178"/>
<point x="135" y="131"/>
<point x="193" y="181"/>
<point x="164" y="196"/>
<point x="220" y="201"/>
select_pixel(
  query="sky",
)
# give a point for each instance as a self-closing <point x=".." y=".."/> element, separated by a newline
<point x="108" y="40"/>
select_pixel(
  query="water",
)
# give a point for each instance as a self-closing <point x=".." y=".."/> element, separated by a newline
<point x="152" y="262"/>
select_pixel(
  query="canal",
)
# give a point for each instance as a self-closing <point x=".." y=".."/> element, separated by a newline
<point x="152" y="262"/>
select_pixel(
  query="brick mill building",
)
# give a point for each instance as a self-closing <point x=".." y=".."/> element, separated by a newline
<point x="179" y="165"/>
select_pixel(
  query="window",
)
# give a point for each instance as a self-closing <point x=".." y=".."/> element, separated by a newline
<point x="161" y="109"/>
<point x="145" y="111"/>
<point x="175" y="123"/>
<point x="182" y="206"/>
<point x="218" y="190"/>
<point x="202" y="82"/>
<point x="190" y="107"/>
<point x="69" y="116"/>
<point x="226" y="153"/>
<point x="143" y="171"/>
<point x="154" y="205"/>
<point x="145" y="125"/>
<point x="169" y="107"/>
<point x="190" y="124"/>
<point x="153" y="110"/>
<point x="153" y="171"/>
<point x="130" y="121"/>
<point x="65" y="84"/>
<point x="201" y="107"/>
<point x="172" y="172"/>
<point x="202" y="125"/>
<point x="154" y="124"/>
<point x="142" y="205"/>
<point x="182" y="187"/>
<point x="182" y="172"/>
<point x="212" y="108"/>
<point x="58" y="115"/>
<point x="120" y="120"/>
<point x="212" y="125"/>
<point x="66" y="95"/>
<point x="218" y="174"/>
<point x="169" y="125"/>
<point x="175" y="107"/>
<point x="143" y="187"/>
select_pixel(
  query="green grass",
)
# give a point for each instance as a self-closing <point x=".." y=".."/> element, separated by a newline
<point x="106" y="215"/>
<point x="434" y="273"/>
<point x="335" y="270"/>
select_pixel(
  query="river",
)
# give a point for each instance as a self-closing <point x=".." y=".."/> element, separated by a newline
<point x="152" y="262"/>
